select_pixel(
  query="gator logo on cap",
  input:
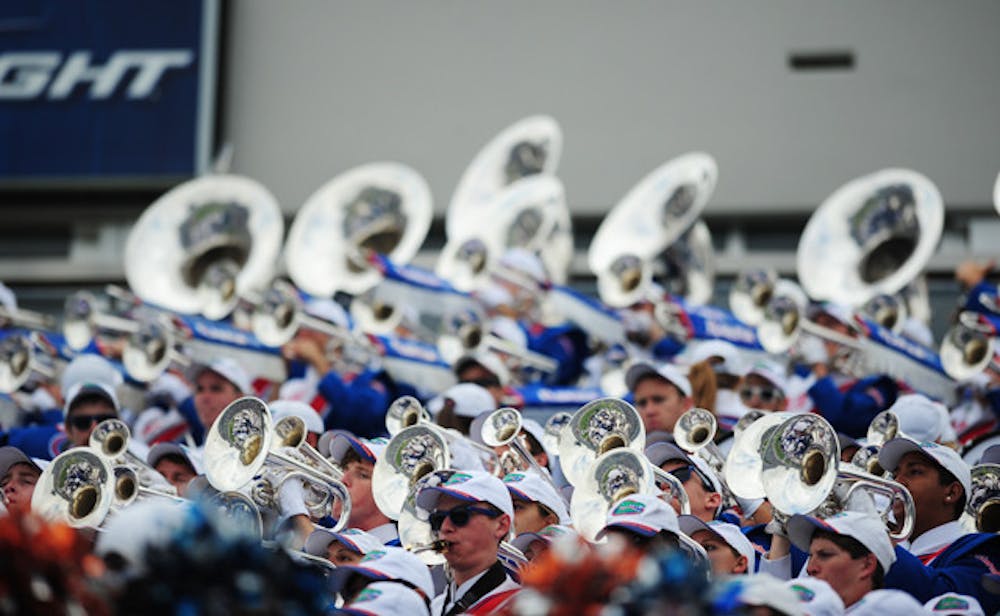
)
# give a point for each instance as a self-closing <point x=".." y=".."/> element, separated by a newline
<point x="552" y="531"/>
<point x="805" y="594"/>
<point x="513" y="477"/>
<point x="458" y="478"/>
<point x="373" y="555"/>
<point x="629" y="507"/>
<point x="368" y="594"/>
<point x="951" y="603"/>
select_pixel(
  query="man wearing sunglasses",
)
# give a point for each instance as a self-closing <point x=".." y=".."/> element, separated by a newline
<point x="471" y="512"/>
<point x="88" y="404"/>
<point x="702" y="486"/>
<point x="661" y="394"/>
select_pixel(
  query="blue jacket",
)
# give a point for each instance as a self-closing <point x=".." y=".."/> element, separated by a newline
<point x="42" y="442"/>
<point x="852" y="410"/>
<point x="960" y="569"/>
<point x="567" y="344"/>
<point x="359" y="405"/>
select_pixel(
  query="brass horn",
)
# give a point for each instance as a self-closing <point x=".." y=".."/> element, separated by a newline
<point x="241" y="446"/>
<point x="984" y="498"/>
<point x="596" y="428"/>
<point x="77" y="487"/>
<point x="18" y="361"/>
<point x="502" y="428"/>
<point x="969" y="346"/>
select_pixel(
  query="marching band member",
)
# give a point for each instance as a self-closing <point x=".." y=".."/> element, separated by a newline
<point x="357" y="457"/>
<point x="486" y="370"/>
<point x="940" y="556"/>
<point x="662" y="394"/>
<point x="217" y="384"/>
<point x="644" y="522"/>
<point x="473" y="513"/>
<point x="850" y="551"/>
<point x="384" y="565"/>
<point x="385" y="598"/>
<point x="727" y="366"/>
<point x="18" y="476"/>
<point x="763" y="387"/>
<point x="88" y="404"/>
<point x="700" y="482"/>
<point x="728" y="549"/>
<point x="347" y="547"/>
<point x="848" y="404"/>
<point x="536" y="502"/>
<point x="175" y="463"/>
<point x="459" y="405"/>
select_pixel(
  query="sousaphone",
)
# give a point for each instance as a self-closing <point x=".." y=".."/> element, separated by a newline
<point x="660" y="211"/>
<point x="204" y="243"/>
<point x="531" y="213"/>
<point x="528" y="147"/>
<point x="873" y="236"/>
<point x="382" y="208"/>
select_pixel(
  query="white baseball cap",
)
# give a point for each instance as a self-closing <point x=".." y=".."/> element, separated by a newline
<point x="552" y="532"/>
<point x="226" y="367"/>
<point x="328" y="310"/>
<point x="672" y="374"/>
<point x="771" y="371"/>
<point x="920" y="418"/>
<point x="729" y="533"/>
<point x="526" y="262"/>
<point x="817" y="597"/>
<point x="368" y="449"/>
<point x="285" y="408"/>
<point x="642" y="514"/>
<point x="867" y="529"/>
<point x="661" y="452"/>
<point x="157" y="451"/>
<point x="731" y="362"/>
<point x="387" y="563"/>
<point x="470" y="400"/>
<point x="529" y="486"/>
<point x="90" y="367"/>
<point x="486" y="359"/>
<point x="90" y="388"/>
<point x="886" y="601"/>
<point x="946" y="457"/>
<point x="471" y="486"/>
<point x="954" y="604"/>
<point x="379" y="598"/>
<point x="354" y="539"/>
<point x="763" y="590"/>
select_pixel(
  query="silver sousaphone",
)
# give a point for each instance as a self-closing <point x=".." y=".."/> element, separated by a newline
<point x="530" y="213"/>
<point x="383" y="208"/>
<point x="200" y="246"/>
<point x="658" y="216"/>
<point x="874" y="235"/>
<point x="529" y="147"/>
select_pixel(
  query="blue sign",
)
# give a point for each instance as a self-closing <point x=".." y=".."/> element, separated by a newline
<point x="106" y="90"/>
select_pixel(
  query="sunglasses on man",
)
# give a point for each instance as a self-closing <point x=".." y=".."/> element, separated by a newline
<point x="459" y="516"/>
<point x="82" y="422"/>
<point x="683" y="473"/>
<point x="764" y="394"/>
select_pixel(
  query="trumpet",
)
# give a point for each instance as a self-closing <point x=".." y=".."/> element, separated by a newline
<point x="465" y="333"/>
<point x="969" y="347"/>
<point x="133" y="477"/>
<point x="18" y="361"/>
<point x="77" y="488"/>
<point x="503" y="427"/>
<point x="984" y="500"/>
<point x="279" y="315"/>
<point x="241" y="445"/>
<point x="793" y="461"/>
<point x="290" y="432"/>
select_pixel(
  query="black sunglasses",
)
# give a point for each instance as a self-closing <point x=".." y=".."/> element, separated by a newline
<point x="82" y="422"/>
<point x="764" y="394"/>
<point x="683" y="473"/>
<point x="459" y="516"/>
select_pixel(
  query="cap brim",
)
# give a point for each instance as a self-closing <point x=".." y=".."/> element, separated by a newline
<point x="428" y="497"/>
<point x="892" y="452"/>
<point x="631" y="527"/>
<point x="637" y="372"/>
<point x="801" y="529"/>
<point x="340" y="575"/>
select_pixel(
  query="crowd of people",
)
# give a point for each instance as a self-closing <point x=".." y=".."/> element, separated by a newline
<point x="500" y="534"/>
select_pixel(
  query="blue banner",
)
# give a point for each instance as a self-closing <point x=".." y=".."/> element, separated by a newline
<point x="106" y="90"/>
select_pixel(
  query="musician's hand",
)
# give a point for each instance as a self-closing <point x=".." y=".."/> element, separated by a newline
<point x="307" y="350"/>
<point x="812" y="350"/>
<point x="291" y="499"/>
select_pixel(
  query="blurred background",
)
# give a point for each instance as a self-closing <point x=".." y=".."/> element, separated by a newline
<point x="104" y="105"/>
